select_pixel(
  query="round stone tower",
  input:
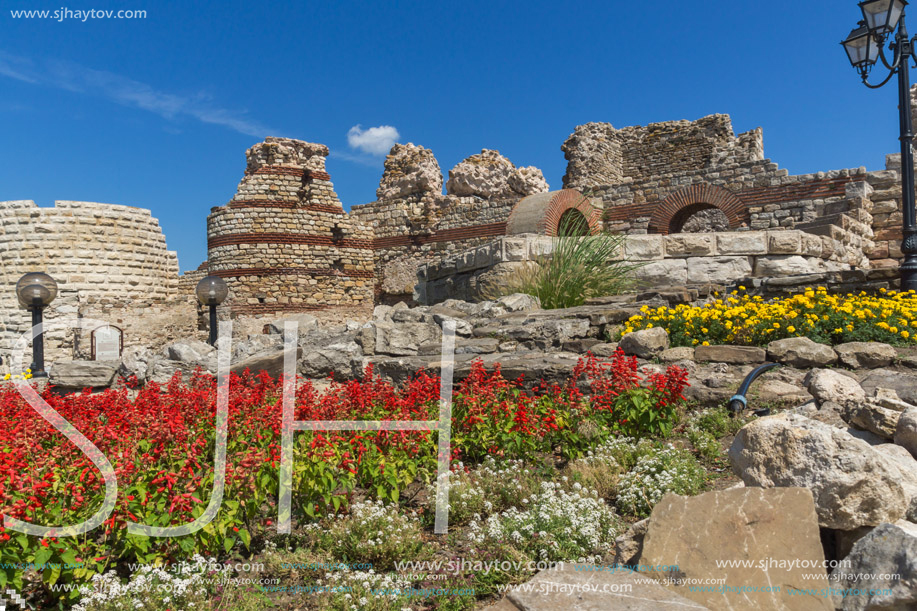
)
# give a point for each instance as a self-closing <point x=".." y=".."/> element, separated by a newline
<point x="284" y="243"/>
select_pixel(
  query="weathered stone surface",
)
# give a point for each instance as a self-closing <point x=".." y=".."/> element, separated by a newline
<point x="567" y="589"/>
<point x="906" y="431"/>
<point x="629" y="545"/>
<point x="135" y="361"/>
<point x="402" y="339"/>
<point x="905" y="384"/>
<point x="491" y="175"/>
<point x="690" y="245"/>
<point x="83" y="374"/>
<point x="730" y="354"/>
<point x="829" y="385"/>
<point x="409" y="170"/>
<point x="800" y="352"/>
<point x="519" y="302"/>
<point x="305" y="322"/>
<point x="643" y="247"/>
<point x="908" y="468"/>
<point x="343" y="359"/>
<point x="741" y="243"/>
<point x="853" y="485"/>
<point x="270" y="361"/>
<point x="777" y="391"/>
<point x="645" y="343"/>
<point x="190" y="351"/>
<point x="775" y="266"/>
<point x="878" y="420"/>
<point x="743" y="524"/>
<point x="717" y="270"/>
<point x="865" y="355"/>
<point x="889" y="549"/>
<point x="677" y="354"/>
<point x="663" y="273"/>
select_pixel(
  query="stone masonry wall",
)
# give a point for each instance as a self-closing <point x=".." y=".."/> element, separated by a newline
<point x="284" y="243"/>
<point x="110" y="262"/>
<point x="667" y="261"/>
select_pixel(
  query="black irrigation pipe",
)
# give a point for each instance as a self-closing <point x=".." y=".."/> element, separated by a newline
<point x="739" y="402"/>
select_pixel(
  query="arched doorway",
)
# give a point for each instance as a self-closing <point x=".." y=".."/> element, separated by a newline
<point x="572" y="223"/>
<point x="672" y="213"/>
<point x="699" y="218"/>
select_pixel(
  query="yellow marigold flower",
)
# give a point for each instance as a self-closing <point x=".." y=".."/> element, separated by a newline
<point x="791" y="329"/>
<point x="905" y="334"/>
<point x="705" y="343"/>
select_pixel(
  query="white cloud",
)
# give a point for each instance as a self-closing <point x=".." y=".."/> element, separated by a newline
<point x="375" y="140"/>
<point x="127" y="92"/>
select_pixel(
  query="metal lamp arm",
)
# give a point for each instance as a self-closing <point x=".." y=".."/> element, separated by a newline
<point x="865" y="75"/>
<point x="897" y="58"/>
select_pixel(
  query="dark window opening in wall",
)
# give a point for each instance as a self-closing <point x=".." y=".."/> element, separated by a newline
<point x="260" y="299"/>
<point x="699" y="218"/>
<point x="337" y="235"/>
<point x="572" y="223"/>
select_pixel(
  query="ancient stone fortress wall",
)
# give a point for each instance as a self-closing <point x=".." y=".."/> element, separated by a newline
<point x="653" y="179"/>
<point x="284" y="243"/>
<point x="110" y="263"/>
<point x="677" y="260"/>
<point x="413" y="222"/>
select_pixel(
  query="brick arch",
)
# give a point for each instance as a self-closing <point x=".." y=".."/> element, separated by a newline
<point x="540" y="213"/>
<point x="678" y="206"/>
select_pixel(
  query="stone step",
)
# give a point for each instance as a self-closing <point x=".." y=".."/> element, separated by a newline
<point x="843" y="222"/>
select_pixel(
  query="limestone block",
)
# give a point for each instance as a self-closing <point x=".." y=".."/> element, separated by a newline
<point x="801" y="352"/>
<point x="690" y="245"/>
<point x="775" y="266"/>
<point x="865" y="355"/>
<point x="643" y="247"/>
<point x="829" y="385"/>
<point x="753" y="526"/>
<point x="717" y="270"/>
<point x="784" y="242"/>
<point x="853" y="484"/>
<point x="667" y="272"/>
<point x="741" y="243"/>
<point x="730" y="354"/>
<point x="645" y="343"/>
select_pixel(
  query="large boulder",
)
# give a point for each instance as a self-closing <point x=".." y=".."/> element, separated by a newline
<point x="908" y="468"/>
<point x="906" y="431"/>
<point x="304" y="324"/>
<point x="882" y="570"/>
<point x="192" y="352"/>
<point x="569" y="588"/>
<point x="645" y="343"/>
<point x="800" y="352"/>
<point x="752" y="526"/>
<point x="77" y="375"/>
<point x="853" y="484"/>
<point x="269" y="361"/>
<point x="410" y="170"/>
<point x="344" y="360"/>
<point x="492" y="176"/>
<point x="829" y="385"/>
<point x="878" y="420"/>
<point x="404" y="339"/>
<point x="865" y="355"/>
<point x="905" y="384"/>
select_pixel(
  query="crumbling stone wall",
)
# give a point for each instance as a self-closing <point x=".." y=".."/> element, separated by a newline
<point x="110" y="262"/>
<point x="413" y="222"/>
<point x="284" y="243"/>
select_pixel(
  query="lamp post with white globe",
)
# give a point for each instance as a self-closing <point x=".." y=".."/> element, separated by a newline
<point x="211" y="291"/>
<point x="35" y="291"/>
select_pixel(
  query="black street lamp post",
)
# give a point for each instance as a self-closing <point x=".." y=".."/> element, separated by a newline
<point x="35" y="291"/>
<point x="211" y="291"/>
<point x="864" y="47"/>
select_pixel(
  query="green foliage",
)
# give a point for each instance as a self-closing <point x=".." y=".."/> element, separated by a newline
<point x="581" y="266"/>
<point x="642" y="414"/>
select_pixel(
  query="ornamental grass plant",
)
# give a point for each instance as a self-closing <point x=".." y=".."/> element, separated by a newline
<point x="581" y="265"/>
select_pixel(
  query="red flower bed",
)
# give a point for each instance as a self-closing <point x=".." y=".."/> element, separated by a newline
<point x="161" y="445"/>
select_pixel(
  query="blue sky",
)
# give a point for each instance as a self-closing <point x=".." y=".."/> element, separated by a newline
<point x="158" y="112"/>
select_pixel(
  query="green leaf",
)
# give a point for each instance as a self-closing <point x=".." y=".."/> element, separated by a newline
<point x="245" y="536"/>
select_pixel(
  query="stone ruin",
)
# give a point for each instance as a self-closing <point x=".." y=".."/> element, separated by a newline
<point x="699" y="204"/>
